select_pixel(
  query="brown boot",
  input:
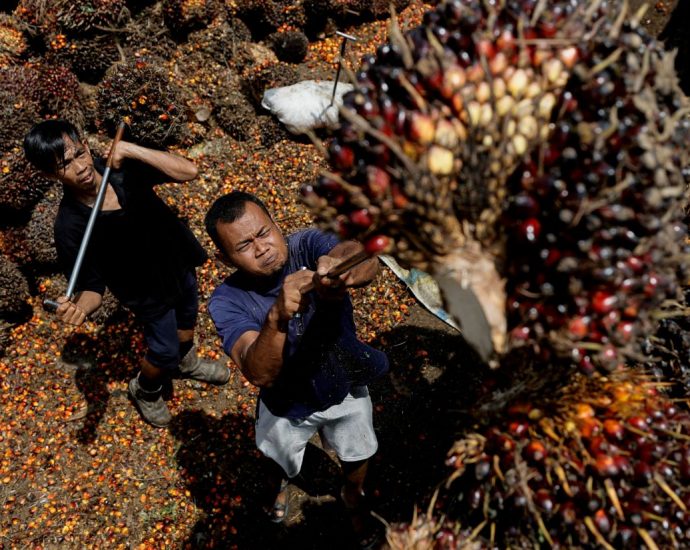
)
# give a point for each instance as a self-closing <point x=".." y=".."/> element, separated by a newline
<point x="150" y="404"/>
<point x="213" y="372"/>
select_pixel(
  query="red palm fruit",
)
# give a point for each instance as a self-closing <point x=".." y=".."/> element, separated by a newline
<point x="361" y="218"/>
<point x="342" y="156"/>
<point x="578" y="327"/>
<point x="535" y="451"/>
<point x="589" y="427"/>
<point x="613" y="429"/>
<point x="544" y="500"/>
<point x="378" y="182"/>
<point x="518" y="428"/>
<point x="603" y="302"/>
<point x="638" y="423"/>
<point x="605" y="465"/>
<point x="377" y="244"/>
<point x="485" y="47"/>
<point x="602" y="521"/>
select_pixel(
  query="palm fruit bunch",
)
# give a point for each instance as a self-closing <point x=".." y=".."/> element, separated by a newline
<point x="289" y="46"/>
<point x="234" y="113"/>
<point x="14" y="290"/>
<point x="38" y="235"/>
<point x="89" y="58"/>
<point x="89" y="16"/>
<point x="221" y="40"/>
<point x="141" y="93"/>
<point x="259" y="78"/>
<point x="13" y="44"/>
<point x="52" y="90"/>
<point x="603" y="462"/>
<point x="17" y="115"/>
<point x="21" y="187"/>
<point x="531" y="151"/>
<point x="183" y="16"/>
<point x="38" y="15"/>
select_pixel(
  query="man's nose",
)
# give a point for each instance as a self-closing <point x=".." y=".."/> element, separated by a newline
<point x="260" y="248"/>
<point x="80" y="165"/>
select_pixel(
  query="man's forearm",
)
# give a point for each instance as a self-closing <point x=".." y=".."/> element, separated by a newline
<point x="263" y="360"/>
<point x="176" y="167"/>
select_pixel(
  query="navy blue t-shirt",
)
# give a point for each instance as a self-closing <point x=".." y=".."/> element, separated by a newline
<point x="322" y="357"/>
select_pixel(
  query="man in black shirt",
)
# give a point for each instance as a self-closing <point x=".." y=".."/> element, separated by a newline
<point x="138" y="249"/>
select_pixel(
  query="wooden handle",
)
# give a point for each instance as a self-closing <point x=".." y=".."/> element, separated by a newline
<point x="118" y="136"/>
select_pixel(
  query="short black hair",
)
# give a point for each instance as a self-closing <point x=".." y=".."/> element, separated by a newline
<point x="44" y="144"/>
<point x="228" y="209"/>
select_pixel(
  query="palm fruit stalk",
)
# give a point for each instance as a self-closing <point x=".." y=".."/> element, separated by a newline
<point x="535" y="152"/>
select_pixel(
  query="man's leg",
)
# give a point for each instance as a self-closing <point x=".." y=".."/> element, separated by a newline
<point x="353" y="488"/>
<point x="350" y="432"/>
<point x="277" y="488"/>
<point x="283" y="442"/>
<point x="191" y="365"/>
<point x="161" y="357"/>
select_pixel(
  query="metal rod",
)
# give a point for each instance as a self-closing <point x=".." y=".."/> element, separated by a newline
<point x="52" y="305"/>
<point x="346" y="37"/>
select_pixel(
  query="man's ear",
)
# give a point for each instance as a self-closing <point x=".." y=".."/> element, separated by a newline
<point x="222" y="257"/>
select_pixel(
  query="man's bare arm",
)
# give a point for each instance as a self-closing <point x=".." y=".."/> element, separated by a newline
<point x="260" y="354"/>
<point x="177" y="168"/>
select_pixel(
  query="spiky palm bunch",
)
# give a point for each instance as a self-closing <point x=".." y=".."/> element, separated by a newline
<point x="533" y="151"/>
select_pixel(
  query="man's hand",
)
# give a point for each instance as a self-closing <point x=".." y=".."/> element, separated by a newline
<point x="330" y="288"/>
<point x="69" y="312"/>
<point x="120" y="154"/>
<point x="291" y="297"/>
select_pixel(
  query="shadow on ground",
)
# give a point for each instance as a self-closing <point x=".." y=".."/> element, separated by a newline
<point x="100" y="358"/>
<point x="417" y="417"/>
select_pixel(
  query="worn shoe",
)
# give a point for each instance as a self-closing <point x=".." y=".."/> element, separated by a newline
<point x="150" y="404"/>
<point x="213" y="372"/>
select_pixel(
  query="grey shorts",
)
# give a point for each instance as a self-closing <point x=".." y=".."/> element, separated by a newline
<point x="347" y="428"/>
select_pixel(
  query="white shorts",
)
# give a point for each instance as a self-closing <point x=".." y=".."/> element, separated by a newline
<point x="347" y="428"/>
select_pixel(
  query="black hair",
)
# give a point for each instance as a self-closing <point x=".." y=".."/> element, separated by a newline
<point x="44" y="144"/>
<point x="228" y="209"/>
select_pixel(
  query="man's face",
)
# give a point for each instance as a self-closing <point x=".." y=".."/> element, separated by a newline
<point x="77" y="171"/>
<point x="253" y="243"/>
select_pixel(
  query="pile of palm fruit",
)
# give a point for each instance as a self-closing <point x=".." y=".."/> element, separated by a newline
<point x="537" y="153"/>
<point x="178" y="71"/>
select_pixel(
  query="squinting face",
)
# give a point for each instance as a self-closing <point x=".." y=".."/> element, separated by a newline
<point x="77" y="171"/>
<point x="253" y="243"/>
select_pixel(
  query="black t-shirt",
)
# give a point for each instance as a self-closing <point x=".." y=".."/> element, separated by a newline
<point x="140" y="252"/>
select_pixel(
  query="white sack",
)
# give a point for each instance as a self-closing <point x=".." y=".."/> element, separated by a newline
<point x="305" y="106"/>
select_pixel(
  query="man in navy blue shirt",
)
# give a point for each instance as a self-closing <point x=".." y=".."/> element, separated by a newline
<point x="290" y="329"/>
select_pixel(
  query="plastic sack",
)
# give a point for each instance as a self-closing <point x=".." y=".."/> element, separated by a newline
<point x="306" y="105"/>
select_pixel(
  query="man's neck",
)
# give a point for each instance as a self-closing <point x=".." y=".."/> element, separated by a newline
<point x="89" y="197"/>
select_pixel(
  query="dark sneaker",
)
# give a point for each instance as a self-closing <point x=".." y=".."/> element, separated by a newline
<point x="150" y="404"/>
<point x="213" y="372"/>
